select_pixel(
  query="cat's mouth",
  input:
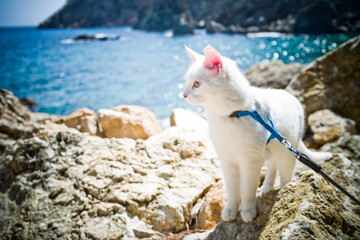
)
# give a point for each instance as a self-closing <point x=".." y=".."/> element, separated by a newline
<point x="192" y="99"/>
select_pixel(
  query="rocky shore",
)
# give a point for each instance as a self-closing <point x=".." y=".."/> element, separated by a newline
<point x="183" y="16"/>
<point x="119" y="175"/>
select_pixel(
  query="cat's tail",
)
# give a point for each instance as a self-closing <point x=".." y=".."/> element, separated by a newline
<point x="316" y="156"/>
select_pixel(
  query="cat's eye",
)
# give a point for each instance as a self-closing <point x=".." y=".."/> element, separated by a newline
<point x="197" y="84"/>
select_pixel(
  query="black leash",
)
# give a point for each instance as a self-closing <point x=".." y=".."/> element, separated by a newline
<point x="299" y="155"/>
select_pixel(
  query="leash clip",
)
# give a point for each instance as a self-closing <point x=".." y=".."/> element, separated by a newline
<point x="288" y="146"/>
<point x="286" y="143"/>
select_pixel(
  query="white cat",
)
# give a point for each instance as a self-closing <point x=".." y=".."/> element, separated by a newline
<point x="216" y="83"/>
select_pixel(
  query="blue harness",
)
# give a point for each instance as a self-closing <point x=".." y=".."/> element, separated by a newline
<point x="299" y="155"/>
<point x="255" y="115"/>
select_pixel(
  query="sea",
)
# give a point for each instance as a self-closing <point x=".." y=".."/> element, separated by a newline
<point x="141" y="68"/>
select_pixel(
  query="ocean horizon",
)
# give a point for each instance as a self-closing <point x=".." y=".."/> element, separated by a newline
<point x="141" y="68"/>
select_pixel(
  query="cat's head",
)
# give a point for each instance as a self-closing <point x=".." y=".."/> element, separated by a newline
<point x="204" y="76"/>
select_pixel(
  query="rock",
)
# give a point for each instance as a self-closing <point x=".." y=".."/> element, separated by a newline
<point x="198" y="235"/>
<point x="183" y="24"/>
<point x="235" y="29"/>
<point x="128" y="121"/>
<point x="332" y="82"/>
<point x="83" y="120"/>
<point x="98" y="36"/>
<point x="11" y="107"/>
<point x="66" y="184"/>
<point x="328" y="127"/>
<point x="187" y="119"/>
<point x="307" y="208"/>
<point x="43" y="117"/>
<point x="210" y="211"/>
<point x="319" y="12"/>
<point x="14" y="120"/>
<point x="28" y="102"/>
<point x="273" y="74"/>
<point x="165" y="15"/>
<point x="213" y="27"/>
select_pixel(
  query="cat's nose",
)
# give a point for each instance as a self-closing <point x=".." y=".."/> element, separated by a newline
<point x="185" y="95"/>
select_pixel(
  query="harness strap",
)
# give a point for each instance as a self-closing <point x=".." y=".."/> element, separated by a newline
<point x="255" y="115"/>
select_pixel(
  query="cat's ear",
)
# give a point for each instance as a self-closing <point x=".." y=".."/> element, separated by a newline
<point x="212" y="61"/>
<point x="191" y="54"/>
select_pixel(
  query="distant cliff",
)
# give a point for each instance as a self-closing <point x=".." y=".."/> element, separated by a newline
<point x="91" y="13"/>
<point x="230" y="16"/>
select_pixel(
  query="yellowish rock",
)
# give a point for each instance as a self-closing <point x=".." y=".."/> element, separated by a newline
<point x="128" y="121"/>
<point x="83" y="120"/>
<point x="328" y="126"/>
<point x="210" y="211"/>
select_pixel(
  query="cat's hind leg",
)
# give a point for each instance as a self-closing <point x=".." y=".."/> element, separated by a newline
<point x="286" y="164"/>
<point x="269" y="181"/>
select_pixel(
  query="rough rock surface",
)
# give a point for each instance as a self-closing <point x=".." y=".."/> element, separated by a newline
<point x="327" y="126"/>
<point x="83" y="120"/>
<point x="332" y="82"/>
<point x="272" y="74"/>
<point x="214" y="202"/>
<point x="163" y="15"/>
<point x="88" y="13"/>
<point x="43" y="117"/>
<point x="187" y="119"/>
<point x="64" y="184"/>
<point x="14" y="119"/>
<point x="128" y="121"/>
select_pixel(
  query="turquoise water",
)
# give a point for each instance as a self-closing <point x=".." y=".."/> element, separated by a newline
<point x="141" y="68"/>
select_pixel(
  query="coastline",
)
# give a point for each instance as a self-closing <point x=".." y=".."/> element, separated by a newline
<point x="57" y="182"/>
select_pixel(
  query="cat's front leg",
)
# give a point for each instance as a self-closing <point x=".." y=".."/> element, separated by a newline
<point x="232" y="185"/>
<point x="249" y="181"/>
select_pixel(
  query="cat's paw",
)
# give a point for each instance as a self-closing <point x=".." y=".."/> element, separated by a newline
<point x="248" y="215"/>
<point x="265" y="189"/>
<point x="228" y="214"/>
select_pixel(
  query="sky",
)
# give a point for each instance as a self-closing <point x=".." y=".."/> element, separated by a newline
<point x="27" y="12"/>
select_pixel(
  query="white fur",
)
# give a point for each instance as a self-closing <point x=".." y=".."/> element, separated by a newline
<point x="241" y="142"/>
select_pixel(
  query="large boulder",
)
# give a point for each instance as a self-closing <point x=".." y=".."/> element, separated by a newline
<point x="11" y="108"/>
<point x="332" y="82"/>
<point x="66" y="184"/>
<point x="272" y="74"/>
<point x="128" y="121"/>
<point x="84" y="120"/>
<point x="14" y="119"/>
<point x="210" y="211"/>
<point x="327" y="126"/>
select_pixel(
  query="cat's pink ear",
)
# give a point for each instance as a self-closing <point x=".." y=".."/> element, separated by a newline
<point x="191" y="54"/>
<point x="212" y="61"/>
